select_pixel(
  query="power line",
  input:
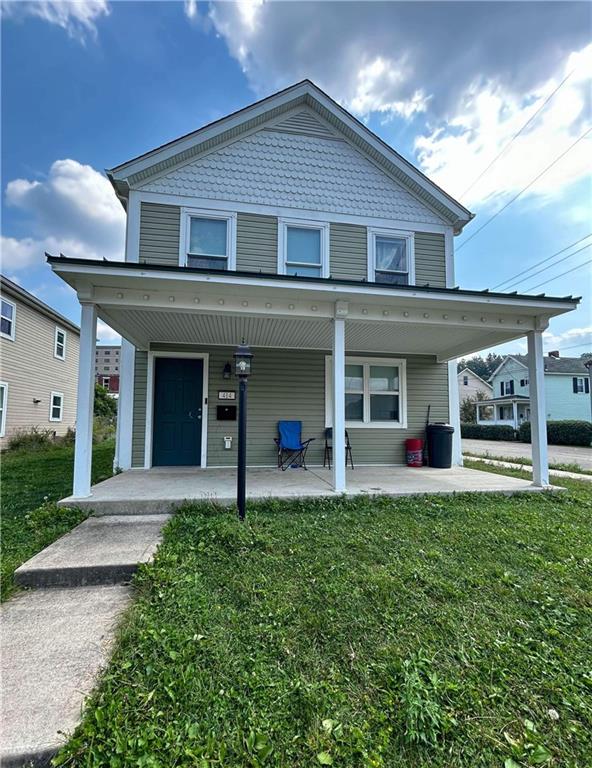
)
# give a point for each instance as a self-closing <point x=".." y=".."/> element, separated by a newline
<point x="536" y="264"/>
<point x="575" y="346"/>
<point x="549" y="266"/>
<point x="515" y="136"/>
<point x="522" y="191"/>
<point x="551" y="279"/>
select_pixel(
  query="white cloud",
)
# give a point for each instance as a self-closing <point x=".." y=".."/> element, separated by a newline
<point x="569" y="339"/>
<point x="73" y="211"/>
<point x="106" y="334"/>
<point x="78" y="18"/>
<point x="376" y="85"/>
<point x="455" y="152"/>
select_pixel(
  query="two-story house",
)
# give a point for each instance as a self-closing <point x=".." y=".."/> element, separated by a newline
<point x="471" y="386"/>
<point x="567" y="391"/>
<point x="293" y="226"/>
<point x="38" y="367"/>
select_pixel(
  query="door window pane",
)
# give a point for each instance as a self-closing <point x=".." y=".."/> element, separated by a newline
<point x="354" y="407"/>
<point x="207" y="237"/>
<point x="303" y="246"/>
<point x="384" y="378"/>
<point x="384" y="407"/>
<point x="354" y="377"/>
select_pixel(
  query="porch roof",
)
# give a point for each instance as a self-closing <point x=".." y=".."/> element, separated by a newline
<point x="505" y="400"/>
<point x="172" y="304"/>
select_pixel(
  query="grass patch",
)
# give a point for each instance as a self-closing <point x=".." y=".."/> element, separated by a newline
<point x="440" y="632"/>
<point x="31" y="484"/>
<point x="564" y="466"/>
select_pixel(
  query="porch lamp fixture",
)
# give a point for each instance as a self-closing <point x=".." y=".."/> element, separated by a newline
<point x="242" y="368"/>
<point x="227" y="371"/>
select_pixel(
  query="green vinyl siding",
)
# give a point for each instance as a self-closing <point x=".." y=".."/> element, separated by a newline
<point x="256" y="243"/>
<point x="430" y="259"/>
<point x="348" y="249"/>
<point x="139" y="415"/>
<point x="159" y="233"/>
<point x="290" y="384"/>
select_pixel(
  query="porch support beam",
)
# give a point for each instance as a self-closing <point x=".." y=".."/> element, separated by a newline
<point x="454" y="413"/>
<point x="538" y="419"/>
<point x="339" y="404"/>
<point x="515" y="414"/>
<point x="125" y="406"/>
<point x="85" y="402"/>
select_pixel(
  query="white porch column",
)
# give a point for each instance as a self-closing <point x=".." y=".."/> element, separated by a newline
<point x="538" y="417"/>
<point x="85" y="403"/>
<point x="454" y="413"/>
<point x="515" y="414"/>
<point x="125" y="406"/>
<point x="339" y="404"/>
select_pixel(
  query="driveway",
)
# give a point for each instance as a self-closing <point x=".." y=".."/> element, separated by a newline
<point x="558" y="454"/>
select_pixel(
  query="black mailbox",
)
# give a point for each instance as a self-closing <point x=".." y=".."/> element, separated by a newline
<point x="226" y="412"/>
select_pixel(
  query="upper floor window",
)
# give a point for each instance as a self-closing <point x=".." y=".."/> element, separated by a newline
<point x="391" y="257"/>
<point x="208" y="239"/>
<point x="581" y="385"/>
<point x="56" y="406"/>
<point x="59" y="349"/>
<point x="303" y="248"/>
<point x="466" y="381"/>
<point x="507" y="387"/>
<point x="7" y="317"/>
<point x="523" y="382"/>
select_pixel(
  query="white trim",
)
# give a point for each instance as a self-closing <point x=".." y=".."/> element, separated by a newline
<point x="367" y="361"/>
<point x="538" y="418"/>
<point x="321" y="226"/>
<point x="10" y="336"/>
<point x="51" y="406"/>
<point x="150" y="403"/>
<point x="125" y="406"/>
<point x="211" y="204"/>
<point x="406" y="235"/>
<point x="55" y="343"/>
<point x="454" y="413"/>
<point x="132" y="230"/>
<point x="338" y="404"/>
<point x="205" y="213"/>
<point x="4" y="386"/>
<point x="449" y="257"/>
<point x="85" y="401"/>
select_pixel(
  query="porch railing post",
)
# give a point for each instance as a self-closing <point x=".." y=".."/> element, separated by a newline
<point x="339" y="404"/>
<point x="538" y="418"/>
<point x="85" y="402"/>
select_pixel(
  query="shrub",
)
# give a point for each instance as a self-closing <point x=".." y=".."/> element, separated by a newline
<point x="487" y="432"/>
<point x="103" y="429"/>
<point x="567" y="432"/>
<point x="33" y="439"/>
<point x="105" y="405"/>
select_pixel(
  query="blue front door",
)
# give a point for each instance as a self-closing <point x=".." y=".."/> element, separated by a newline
<point x="177" y="423"/>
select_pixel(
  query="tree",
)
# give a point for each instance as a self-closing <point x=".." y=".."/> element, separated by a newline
<point x="483" y="367"/>
<point x="468" y="408"/>
<point x="104" y="405"/>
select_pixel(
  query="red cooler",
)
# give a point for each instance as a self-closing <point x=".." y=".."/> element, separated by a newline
<point x="414" y="451"/>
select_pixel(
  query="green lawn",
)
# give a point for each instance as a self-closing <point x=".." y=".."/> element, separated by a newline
<point x="434" y="632"/>
<point x="31" y="484"/>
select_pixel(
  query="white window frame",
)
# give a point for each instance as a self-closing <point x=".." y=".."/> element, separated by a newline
<point x="4" y="386"/>
<point x="204" y="213"/>
<point x="55" y="343"/>
<point x="51" y="406"/>
<point x="106" y="386"/>
<point x="322" y="226"/>
<point x="409" y="237"/>
<point x="580" y="381"/>
<point x="10" y="336"/>
<point x="366" y="362"/>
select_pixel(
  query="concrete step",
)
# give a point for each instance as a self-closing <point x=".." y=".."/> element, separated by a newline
<point x="54" y="644"/>
<point x="101" y="550"/>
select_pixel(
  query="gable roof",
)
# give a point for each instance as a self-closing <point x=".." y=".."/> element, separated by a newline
<point x="16" y="292"/>
<point x="476" y="375"/>
<point x="565" y="365"/>
<point x="520" y="359"/>
<point x="273" y="107"/>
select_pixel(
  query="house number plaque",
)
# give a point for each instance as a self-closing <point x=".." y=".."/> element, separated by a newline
<point x="226" y="395"/>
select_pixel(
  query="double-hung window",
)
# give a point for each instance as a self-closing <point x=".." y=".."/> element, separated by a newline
<point x="507" y="387"/>
<point x="375" y="392"/>
<point x="303" y="248"/>
<point x="581" y="385"/>
<point x="7" y="318"/>
<point x="59" y="345"/>
<point x="391" y="257"/>
<point x="208" y="239"/>
<point x="56" y="406"/>
<point x="3" y="407"/>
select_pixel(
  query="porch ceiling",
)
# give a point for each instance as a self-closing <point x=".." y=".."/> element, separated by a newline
<point x="171" y="304"/>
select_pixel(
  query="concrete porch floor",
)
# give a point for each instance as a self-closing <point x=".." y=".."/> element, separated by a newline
<point x="160" y="490"/>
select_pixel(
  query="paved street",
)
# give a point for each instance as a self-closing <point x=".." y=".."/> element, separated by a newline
<point x="558" y="454"/>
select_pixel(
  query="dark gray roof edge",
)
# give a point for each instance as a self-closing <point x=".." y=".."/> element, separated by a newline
<point x="12" y="288"/>
<point x="295" y="278"/>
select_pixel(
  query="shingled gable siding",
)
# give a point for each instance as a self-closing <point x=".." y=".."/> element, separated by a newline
<point x="430" y="259"/>
<point x="274" y="395"/>
<point x="159" y="233"/>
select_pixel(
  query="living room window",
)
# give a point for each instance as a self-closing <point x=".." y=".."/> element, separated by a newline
<point x="303" y="248"/>
<point x="375" y="392"/>
<point x="391" y="257"/>
<point x="208" y="239"/>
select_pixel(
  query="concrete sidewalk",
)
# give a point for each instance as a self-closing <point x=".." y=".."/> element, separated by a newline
<point x="558" y="454"/>
<point x="56" y="639"/>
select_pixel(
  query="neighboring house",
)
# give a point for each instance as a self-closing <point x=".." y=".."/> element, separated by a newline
<point x="567" y="391"/>
<point x="38" y="367"/>
<point x="107" y="367"/>
<point x="470" y="385"/>
<point x="291" y="225"/>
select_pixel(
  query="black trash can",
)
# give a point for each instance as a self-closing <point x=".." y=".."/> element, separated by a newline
<point x="440" y="445"/>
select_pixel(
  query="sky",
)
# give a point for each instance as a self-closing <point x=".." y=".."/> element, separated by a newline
<point x="90" y="84"/>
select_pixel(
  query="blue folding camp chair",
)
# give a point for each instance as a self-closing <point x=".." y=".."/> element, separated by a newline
<point x="291" y="449"/>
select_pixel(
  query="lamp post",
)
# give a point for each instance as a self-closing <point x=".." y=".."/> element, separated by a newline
<point x="242" y="368"/>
